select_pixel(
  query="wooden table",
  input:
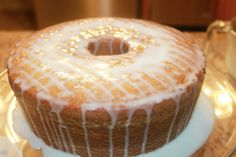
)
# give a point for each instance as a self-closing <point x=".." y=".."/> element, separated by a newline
<point x="215" y="55"/>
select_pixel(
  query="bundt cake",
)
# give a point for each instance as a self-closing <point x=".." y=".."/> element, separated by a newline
<point x="107" y="86"/>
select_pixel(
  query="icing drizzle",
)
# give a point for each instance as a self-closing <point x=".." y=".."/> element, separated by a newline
<point x="159" y="64"/>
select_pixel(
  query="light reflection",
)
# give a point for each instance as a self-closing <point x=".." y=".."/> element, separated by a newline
<point x="1" y="112"/>
<point x="9" y="127"/>
<point x="221" y="99"/>
<point x="221" y="87"/>
<point x="207" y="91"/>
<point x="8" y="134"/>
<point x="39" y="52"/>
<point x="224" y="98"/>
<point x="223" y="111"/>
<point x="220" y="92"/>
<point x="102" y="65"/>
<point x="1" y="108"/>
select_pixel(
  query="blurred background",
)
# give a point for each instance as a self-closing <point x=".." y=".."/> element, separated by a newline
<point x="189" y="15"/>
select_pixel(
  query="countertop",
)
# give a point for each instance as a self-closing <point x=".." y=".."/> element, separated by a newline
<point x="215" y="55"/>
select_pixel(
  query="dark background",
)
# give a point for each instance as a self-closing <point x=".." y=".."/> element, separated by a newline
<point x="190" y="15"/>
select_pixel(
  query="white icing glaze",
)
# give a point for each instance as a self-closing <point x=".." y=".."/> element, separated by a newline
<point x="191" y="109"/>
<point x="111" y="127"/>
<point x="45" y="50"/>
<point x="145" y="136"/>
<point x="177" y="101"/>
<point x="185" y="114"/>
<point x="27" y="111"/>
<point x="58" y="141"/>
<point x="130" y="115"/>
<point x="182" y="121"/>
<point x="60" y="55"/>
<point x="43" y="123"/>
<point x="85" y="131"/>
<point x="61" y="132"/>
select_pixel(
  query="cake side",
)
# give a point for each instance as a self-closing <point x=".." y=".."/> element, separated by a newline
<point x="67" y="133"/>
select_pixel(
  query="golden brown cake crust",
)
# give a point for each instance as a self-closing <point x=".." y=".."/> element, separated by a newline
<point x="66" y="130"/>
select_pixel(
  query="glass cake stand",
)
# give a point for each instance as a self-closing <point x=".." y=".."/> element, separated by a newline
<point x="221" y="142"/>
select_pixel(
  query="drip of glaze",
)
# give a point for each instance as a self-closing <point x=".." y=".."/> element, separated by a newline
<point x="148" y="110"/>
<point x="97" y="45"/>
<point x="61" y="137"/>
<point x="110" y="46"/>
<point x="27" y="112"/>
<point x="60" y="128"/>
<point x="192" y="106"/>
<point x="52" y="135"/>
<point x="84" y="110"/>
<point x="113" y="115"/>
<point x="177" y="101"/>
<point x="185" y="114"/>
<point x="23" y="105"/>
<point x="122" y="47"/>
<point x="59" y="141"/>
<point x="25" y="87"/>
<point x="59" y="134"/>
<point x="127" y="124"/>
<point x="71" y="143"/>
<point x="182" y="121"/>
<point x="42" y="121"/>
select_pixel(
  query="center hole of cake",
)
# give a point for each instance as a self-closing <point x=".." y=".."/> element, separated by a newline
<point x="108" y="46"/>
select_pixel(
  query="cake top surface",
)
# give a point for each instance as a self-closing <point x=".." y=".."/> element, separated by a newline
<point x="106" y="60"/>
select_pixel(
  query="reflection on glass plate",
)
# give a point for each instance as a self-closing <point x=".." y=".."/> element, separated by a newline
<point x="220" y="144"/>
